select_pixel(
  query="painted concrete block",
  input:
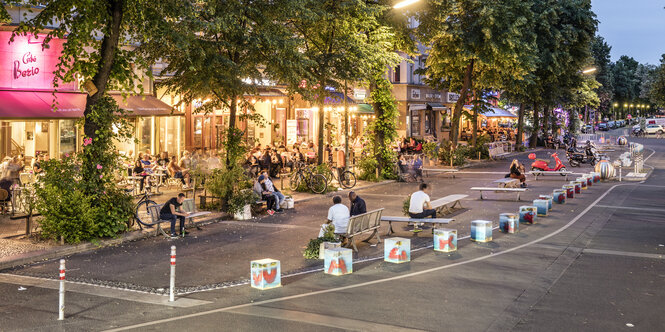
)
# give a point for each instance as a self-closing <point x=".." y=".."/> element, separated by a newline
<point x="338" y="261"/>
<point x="541" y="206"/>
<point x="577" y="185"/>
<point x="445" y="239"/>
<point x="549" y="200"/>
<point x="397" y="250"/>
<point x="528" y="214"/>
<point x="582" y="181"/>
<point x="265" y="274"/>
<point x="570" y="190"/>
<point x="509" y="223"/>
<point x="559" y="196"/>
<point x="481" y="231"/>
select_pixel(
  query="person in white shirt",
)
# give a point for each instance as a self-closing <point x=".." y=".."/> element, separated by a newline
<point x="338" y="215"/>
<point x="419" y="205"/>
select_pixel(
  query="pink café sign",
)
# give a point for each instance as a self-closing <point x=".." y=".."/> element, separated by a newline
<point x="25" y="65"/>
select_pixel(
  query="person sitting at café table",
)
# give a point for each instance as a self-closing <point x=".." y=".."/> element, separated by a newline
<point x="419" y="205"/>
<point x="179" y="173"/>
<point x="517" y="172"/>
<point x="163" y="160"/>
<point x="172" y="211"/>
<point x="139" y="170"/>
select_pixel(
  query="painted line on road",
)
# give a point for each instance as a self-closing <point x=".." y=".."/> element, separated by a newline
<point x="373" y="282"/>
<point x="96" y="290"/>
<point x="630" y="208"/>
<point x="335" y="322"/>
<point x="622" y="253"/>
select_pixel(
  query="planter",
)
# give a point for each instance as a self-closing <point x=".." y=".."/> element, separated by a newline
<point x="245" y="214"/>
<point x="289" y="202"/>
<point x="328" y="246"/>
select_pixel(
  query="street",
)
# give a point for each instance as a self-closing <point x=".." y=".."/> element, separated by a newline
<point x="594" y="263"/>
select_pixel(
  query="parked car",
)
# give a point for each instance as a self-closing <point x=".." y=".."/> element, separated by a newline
<point x="587" y="129"/>
<point x="654" y="129"/>
<point x="603" y="126"/>
<point x="611" y="124"/>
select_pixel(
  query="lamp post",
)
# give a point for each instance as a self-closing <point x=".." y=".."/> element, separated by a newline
<point x="404" y="3"/>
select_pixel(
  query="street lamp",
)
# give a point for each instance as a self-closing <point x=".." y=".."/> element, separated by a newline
<point x="404" y="3"/>
<point x="589" y="70"/>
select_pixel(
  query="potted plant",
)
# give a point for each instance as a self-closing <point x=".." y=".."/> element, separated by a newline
<point x="429" y="149"/>
<point x="316" y="247"/>
<point x="239" y="204"/>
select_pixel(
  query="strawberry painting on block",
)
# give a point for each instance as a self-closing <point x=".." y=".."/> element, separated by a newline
<point x="397" y="250"/>
<point x="265" y="274"/>
<point x="338" y="261"/>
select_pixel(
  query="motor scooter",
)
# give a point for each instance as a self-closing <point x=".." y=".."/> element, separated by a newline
<point x="543" y="165"/>
<point x="588" y="156"/>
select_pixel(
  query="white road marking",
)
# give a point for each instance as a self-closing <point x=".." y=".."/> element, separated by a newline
<point x="96" y="290"/>
<point x="373" y="282"/>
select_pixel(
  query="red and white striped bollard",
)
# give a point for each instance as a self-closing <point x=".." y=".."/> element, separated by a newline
<point x="172" y="286"/>
<point x="61" y="306"/>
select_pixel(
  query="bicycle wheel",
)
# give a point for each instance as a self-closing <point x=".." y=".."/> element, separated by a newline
<point x="318" y="183"/>
<point x="347" y="180"/>
<point x="142" y="213"/>
<point x="295" y="181"/>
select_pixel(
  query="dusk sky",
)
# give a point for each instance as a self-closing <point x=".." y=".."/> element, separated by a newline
<point x="634" y="28"/>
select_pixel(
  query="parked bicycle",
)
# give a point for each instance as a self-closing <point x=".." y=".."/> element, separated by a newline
<point x="142" y="211"/>
<point x="303" y="174"/>
<point x="346" y="179"/>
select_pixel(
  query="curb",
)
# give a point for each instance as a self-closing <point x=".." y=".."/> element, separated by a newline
<point x="67" y="250"/>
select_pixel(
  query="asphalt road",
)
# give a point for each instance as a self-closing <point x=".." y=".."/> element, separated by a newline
<point x="595" y="263"/>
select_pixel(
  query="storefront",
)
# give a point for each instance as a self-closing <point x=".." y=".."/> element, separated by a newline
<point x="493" y="120"/>
<point x="33" y="119"/>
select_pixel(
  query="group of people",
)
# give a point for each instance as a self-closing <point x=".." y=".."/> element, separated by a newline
<point x="265" y="188"/>
<point x="412" y="166"/>
<point x="275" y="160"/>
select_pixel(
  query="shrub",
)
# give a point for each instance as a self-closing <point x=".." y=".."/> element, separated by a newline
<point x="458" y="155"/>
<point x="314" y="245"/>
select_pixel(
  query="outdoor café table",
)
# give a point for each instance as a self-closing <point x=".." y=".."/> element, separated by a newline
<point x="16" y="197"/>
<point x="134" y="180"/>
<point x="160" y="176"/>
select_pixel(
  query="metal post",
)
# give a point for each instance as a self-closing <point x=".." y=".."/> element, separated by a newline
<point x="346" y="129"/>
<point x="172" y="285"/>
<point x="61" y="306"/>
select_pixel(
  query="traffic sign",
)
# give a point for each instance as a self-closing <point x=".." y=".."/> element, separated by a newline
<point x="629" y="116"/>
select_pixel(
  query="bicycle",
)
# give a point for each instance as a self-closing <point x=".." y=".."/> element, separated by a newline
<point x="317" y="183"/>
<point x="346" y="179"/>
<point x="142" y="211"/>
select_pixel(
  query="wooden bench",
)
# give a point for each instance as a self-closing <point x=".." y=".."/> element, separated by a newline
<point x="499" y="190"/>
<point x="441" y="205"/>
<point x="432" y="221"/>
<point x="536" y="174"/>
<point x="188" y="206"/>
<point x="507" y="183"/>
<point x="363" y="223"/>
<point x="450" y="171"/>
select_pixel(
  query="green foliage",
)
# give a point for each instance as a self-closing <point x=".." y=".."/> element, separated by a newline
<point x="233" y="186"/>
<point x="367" y="166"/>
<point x="657" y="92"/>
<point x="384" y="127"/>
<point x="406" y="204"/>
<point x="78" y="196"/>
<point x="429" y="149"/>
<point x="458" y="155"/>
<point x="314" y="245"/>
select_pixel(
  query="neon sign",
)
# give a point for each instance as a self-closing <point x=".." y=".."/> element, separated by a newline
<point x="27" y="59"/>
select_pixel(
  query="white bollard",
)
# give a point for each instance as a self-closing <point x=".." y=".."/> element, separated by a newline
<point x="61" y="307"/>
<point x="172" y="287"/>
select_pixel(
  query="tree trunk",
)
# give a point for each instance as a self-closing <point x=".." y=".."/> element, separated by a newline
<point x="520" y="127"/>
<point x="107" y="54"/>
<point x="454" y="130"/>
<point x="380" y="144"/>
<point x="474" y="122"/>
<point x="320" y="101"/>
<point x="533" y="141"/>
<point x="546" y="120"/>
<point x="233" y="111"/>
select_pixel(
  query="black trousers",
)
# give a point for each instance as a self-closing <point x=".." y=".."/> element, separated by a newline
<point x="422" y="215"/>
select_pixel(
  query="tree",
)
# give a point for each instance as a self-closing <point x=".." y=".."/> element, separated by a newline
<point x="600" y="51"/>
<point x="99" y="50"/>
<point x="626" y="82"/>
<point x="657" y="91"/>
<point x="219" y="51"/>
<point x="475" y="44"/>
<point x="342" y="40"/>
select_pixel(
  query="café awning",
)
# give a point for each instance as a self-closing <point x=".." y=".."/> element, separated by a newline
<point x="365" y="109"/>
<point x="493" y="112"/>
<point x="337" y="98"/>
<point x="417" y="107"/>
<point x="39" y="105"/>
<point x="142" y="105"/>
<point x="436" y="106"/>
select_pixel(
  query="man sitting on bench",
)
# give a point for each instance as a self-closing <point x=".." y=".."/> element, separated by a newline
<point x="171" y="211"/>
<point x="419" y="206"/>
<point x="338" y="215"/>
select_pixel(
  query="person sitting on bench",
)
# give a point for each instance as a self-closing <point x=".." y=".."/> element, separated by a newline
<point x="267" y="195"/>
<point x="419" y="205"/>
<point x="357" y="204"/>
<point x="338" y="215"/>
<point x="171" y="211"/>
<point x="517" y="172"/>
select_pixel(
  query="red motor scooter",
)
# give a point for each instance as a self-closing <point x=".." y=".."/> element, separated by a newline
<point x="542" y="165"/>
